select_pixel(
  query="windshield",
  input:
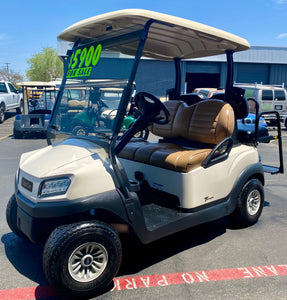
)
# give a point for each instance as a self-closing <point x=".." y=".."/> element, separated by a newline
<point x="89" y="98"/>
<point x="41" y="100"/>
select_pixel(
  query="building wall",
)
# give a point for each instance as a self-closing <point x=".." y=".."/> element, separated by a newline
<point x="259" y="64"/>
<point x="156" y="76"/>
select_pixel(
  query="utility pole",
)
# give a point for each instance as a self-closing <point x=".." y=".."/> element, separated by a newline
<point x="7" y="67"/>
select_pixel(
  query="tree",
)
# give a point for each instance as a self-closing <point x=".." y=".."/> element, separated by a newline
<point x="9" y="75"/>
<point x="45" y="66"/>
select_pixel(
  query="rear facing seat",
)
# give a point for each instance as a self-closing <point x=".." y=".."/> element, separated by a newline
<point x="206" y="123"/>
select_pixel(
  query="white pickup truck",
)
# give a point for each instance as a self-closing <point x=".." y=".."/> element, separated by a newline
<point x="10" y="98"/>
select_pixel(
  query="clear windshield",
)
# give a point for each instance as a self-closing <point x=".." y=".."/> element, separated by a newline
<point x="41" y="101"/>
<point x="95" y="80"/>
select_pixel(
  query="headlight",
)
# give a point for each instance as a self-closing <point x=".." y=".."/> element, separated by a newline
<point x="54" y="187"/>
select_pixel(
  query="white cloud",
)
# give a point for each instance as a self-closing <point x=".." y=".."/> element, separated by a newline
<point x="282" y="36"/>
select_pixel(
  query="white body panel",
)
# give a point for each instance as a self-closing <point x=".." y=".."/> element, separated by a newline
<point x="87" y="165"/>
<point x="200" y="186"/>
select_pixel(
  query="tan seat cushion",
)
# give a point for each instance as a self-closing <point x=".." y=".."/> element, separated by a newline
<point x="77" y="103"/>
<point x="180" y="161"/>
<point x="165" y="155"/>
<point x="207" y="122"/>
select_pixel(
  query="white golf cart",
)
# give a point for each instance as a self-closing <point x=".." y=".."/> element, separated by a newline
<point x="80" y="193"/>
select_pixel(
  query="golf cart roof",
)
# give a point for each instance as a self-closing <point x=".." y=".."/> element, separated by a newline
<point x="36" y="84"/>
<point x="169" y="37"/>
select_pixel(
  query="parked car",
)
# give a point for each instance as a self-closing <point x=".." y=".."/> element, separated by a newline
<point x="269" y="98"/>
<point x="10" y="98"/>
<point x="208" y="92"/>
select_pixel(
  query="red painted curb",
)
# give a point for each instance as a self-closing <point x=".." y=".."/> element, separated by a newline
<point x="159" y="280"/>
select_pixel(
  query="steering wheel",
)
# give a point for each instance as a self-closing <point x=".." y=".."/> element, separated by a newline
<point x="150" y="107"/>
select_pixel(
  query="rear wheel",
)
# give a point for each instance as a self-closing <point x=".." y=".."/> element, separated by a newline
<point x="81" y="260"/>
<point x="17" y="134"/>
<point x="250" y="204"/>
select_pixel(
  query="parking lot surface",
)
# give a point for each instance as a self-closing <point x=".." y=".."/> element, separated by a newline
<point x="211" y="261"/>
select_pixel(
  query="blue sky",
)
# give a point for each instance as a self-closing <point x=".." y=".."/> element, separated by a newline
<point x="26" y="27"/>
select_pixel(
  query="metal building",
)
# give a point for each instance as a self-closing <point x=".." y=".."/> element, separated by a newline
<point x="259" y="64"/>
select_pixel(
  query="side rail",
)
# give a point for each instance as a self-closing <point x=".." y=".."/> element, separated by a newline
<point x="272" y="169"/>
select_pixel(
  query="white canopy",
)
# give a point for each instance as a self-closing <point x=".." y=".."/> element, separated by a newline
<point x="36" y="84"/>
<point x="181" y="38"/>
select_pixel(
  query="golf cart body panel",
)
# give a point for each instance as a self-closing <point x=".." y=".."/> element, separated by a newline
<point x="76" y="160"/>
<point x="187" y="187"/>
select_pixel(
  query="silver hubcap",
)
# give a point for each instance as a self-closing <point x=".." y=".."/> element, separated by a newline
<point x="87" y="262"/>
<point x="253" y="202"/>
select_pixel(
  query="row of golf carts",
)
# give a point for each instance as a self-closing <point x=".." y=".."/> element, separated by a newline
<point x="81" y="193"/>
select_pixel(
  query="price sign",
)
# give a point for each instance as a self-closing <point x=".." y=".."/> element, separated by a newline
<point x="83" y="60"/>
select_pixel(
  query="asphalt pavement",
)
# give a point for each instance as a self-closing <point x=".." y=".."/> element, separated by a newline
<point x="211" y="261"/>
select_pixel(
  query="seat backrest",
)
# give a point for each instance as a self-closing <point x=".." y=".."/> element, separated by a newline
<point x="208" y="121"/>
<point x="191" y="99"/>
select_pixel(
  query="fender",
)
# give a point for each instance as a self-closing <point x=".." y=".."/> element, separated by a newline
<point x="253" y="171"/>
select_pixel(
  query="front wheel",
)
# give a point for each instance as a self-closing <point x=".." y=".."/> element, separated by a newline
<point x="17" y="134"/>
<point x="20" y="109"/>
<point x="2" y="114"/>
<point x="80" y="130"/>
<point x="250" y="204"/>
<point x="80" y="260"/>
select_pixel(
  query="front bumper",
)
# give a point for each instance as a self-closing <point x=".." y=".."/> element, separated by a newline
<point x="38" y="220"/>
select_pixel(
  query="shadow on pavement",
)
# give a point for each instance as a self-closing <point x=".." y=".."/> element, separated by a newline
<point x="137" y="256"/>
<point x="26" y="257"/>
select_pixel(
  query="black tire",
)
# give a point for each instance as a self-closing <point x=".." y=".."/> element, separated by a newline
<point x="20" y="109"/>
<point x="63" y="267"/>
<point x="285" y="123"/>
<point x="17" y="134"/>
<point x="11" y="217"/>
<point x="2" y="114"/>
<point x="80" y="130"/>
<point x="250" y="204"/>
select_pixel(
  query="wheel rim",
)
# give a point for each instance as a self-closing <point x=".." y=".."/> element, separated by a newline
<point x="253" y="202"/>
<point x="138" y="134"/>
<point x="81" y="131"/>
<point x="87" y="262"/>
